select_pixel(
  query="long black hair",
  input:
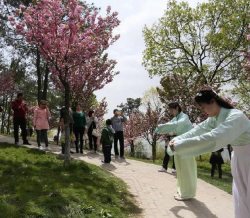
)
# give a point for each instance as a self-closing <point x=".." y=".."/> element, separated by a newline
<point x="90" y="113"/>
<point x="206" y="95"/>
<point x="175" y="105"/>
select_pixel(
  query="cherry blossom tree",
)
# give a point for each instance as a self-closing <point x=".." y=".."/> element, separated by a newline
<point x="72" y="38"/>
<point x="132" y="129"/>
<point x="7" y="83"/>
<point x="181" y="89"/>
<point x="142" y="123"/>
<point x="7" y="89"/>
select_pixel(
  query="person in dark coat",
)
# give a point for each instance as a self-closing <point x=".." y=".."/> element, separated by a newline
<point x="19" y="118"/>
<point x="107" y="138"/>
<point x="167" y="158"/>
<point x="216" y="160"/>
<point x="92" y="122"/>
<point x="79" y="127"/>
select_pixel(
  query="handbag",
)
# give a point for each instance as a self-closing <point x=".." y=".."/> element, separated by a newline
<point x="95" y="133"/>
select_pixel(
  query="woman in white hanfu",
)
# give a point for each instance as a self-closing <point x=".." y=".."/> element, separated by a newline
<point x="225" y="125"/>
<point x="185" y="166"/>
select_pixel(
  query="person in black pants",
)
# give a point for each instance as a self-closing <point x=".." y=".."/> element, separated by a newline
<point x="216" y="160"/>
<point x="117" y="123"/>
<point x="107" y="139"/>
<point x="92" y="126"/>
<point x="19" y="118"/>
<point x="229" y="148"/>
<point x="79" y="127"/>
<point x="166" y="159"/>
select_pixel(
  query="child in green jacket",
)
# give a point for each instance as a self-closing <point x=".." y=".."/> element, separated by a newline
<point x="107" y="139"/>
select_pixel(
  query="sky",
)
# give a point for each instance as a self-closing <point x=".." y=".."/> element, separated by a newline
<point x="133" y="79"/>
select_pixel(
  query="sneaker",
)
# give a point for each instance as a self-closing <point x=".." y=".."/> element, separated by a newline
<point x="173" y="171"/>
<point x="26" y="143"/>
<point x="177" y="197"/>
<point x="162" y="170"/>
<point x="104" y="162"/>
<point x="40" y="148"/>
<point x="17" y="143"/>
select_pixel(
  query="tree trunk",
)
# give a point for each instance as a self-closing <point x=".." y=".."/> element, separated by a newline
<point x="45" y="83"/>
<point x="132" y="148"/>
<point x="67" y="125"/>
<point x="154" y="148"/>
<point x="5" y="109"/>
<point x="9" y="115"/>
<point x="39" y="76"/>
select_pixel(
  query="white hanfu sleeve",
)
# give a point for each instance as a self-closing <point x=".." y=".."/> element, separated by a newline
<point x="171" y="126"/>
<point x="224" y="134"/>
<point x="200" y="129"/>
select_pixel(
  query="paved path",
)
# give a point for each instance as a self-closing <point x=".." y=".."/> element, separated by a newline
<point x="154" y="191"/>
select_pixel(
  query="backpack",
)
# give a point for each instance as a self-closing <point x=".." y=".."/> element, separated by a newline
<point x="110" y="135"/>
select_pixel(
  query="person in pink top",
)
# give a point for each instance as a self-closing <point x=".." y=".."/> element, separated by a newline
<point x="41" y="122"/>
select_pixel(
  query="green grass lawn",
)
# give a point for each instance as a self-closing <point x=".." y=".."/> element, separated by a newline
<point x="34" y="184"/>
<point x="204" y="168"/>
<point x="203" y="171"/>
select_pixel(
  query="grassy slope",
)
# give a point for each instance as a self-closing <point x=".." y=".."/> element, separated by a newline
<point x="35" y="184"/>
<point x="203" y="169"/>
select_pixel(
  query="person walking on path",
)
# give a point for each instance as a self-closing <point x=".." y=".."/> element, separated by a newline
<point x="19" y="118"/>
<point x="92" y="123"/>
<point x="117" y="123"/>
<point x="79" y="127"/>
<point x="224" y="125"/>
<point x="107" y="138"/>
<point x="166" y="158"/>
<point x="186" y="168"/>
<point x="41" y="123"/>
<point x="216" y="161"/>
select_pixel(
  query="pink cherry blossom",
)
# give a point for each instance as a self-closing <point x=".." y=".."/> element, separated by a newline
<point x="73" y="41"/>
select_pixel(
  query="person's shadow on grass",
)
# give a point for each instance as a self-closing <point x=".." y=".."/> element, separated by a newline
<point x="198" y="208"/>
<point x="108" y="167"/>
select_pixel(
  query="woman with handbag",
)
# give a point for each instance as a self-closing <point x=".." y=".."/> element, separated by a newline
<point x="41" y="123"/>
<point x="92" y="122"/>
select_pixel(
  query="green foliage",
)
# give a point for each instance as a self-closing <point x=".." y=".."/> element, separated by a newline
<point x="242" y="91"/>
<point x="35" y="184"/>
<point x="191" y="47"/>
<point x="203" y="43"/>
<point x="131" y="105"/>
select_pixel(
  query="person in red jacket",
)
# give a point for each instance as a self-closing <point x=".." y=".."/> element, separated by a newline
<point x="19" y="118"/>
